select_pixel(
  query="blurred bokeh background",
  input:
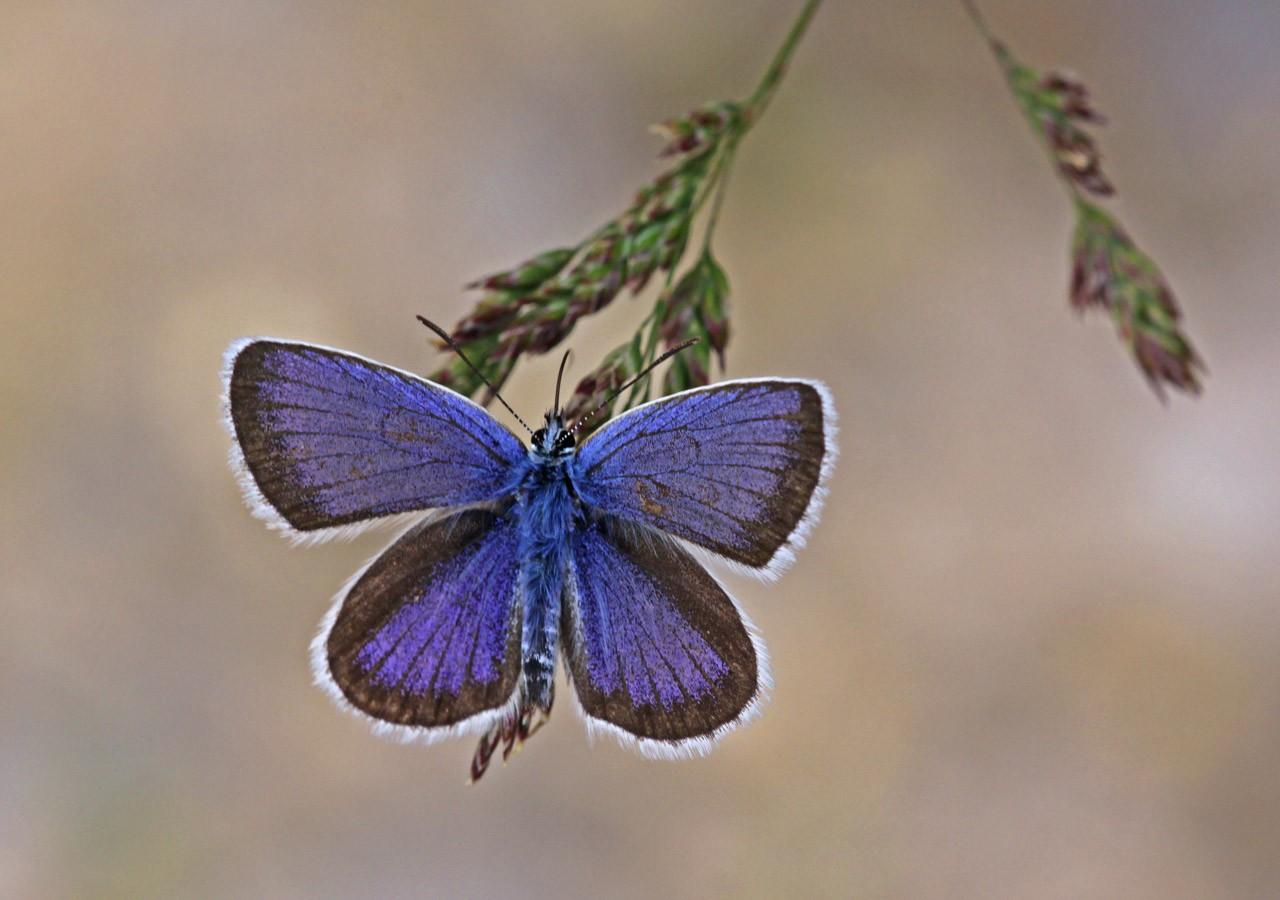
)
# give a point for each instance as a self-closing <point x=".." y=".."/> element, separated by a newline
<point x="1033" y="650"/>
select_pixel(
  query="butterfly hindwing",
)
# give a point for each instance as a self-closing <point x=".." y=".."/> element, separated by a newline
<point x="428" y="636"/>
<point x="737" y="467"/>
<point x="657" y="652"/>
<point x="326" y="439"/>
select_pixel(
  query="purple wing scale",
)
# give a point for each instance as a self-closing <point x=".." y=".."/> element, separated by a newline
<point x="737" y="468"/>
<point x="657" y="652"/>
<point x="428" y="636"/>
<point x="329" y="439"/>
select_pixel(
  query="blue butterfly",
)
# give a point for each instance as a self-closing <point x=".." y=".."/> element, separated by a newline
<point x="515" y="556"/>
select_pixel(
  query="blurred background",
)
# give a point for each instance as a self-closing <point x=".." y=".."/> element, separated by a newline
<point x="1033" y="650"/>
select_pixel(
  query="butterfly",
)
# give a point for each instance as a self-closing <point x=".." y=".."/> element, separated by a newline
<point x="513" y="556"/>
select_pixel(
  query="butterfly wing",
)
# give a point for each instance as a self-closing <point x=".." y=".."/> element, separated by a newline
<point x="738" y="467"/>
<point x="426" y="640"/>
<point x="658" y="653"/>
<point x="326" y="440"/>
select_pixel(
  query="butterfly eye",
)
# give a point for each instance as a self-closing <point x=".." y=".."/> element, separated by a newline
<point x="538" y="437"/>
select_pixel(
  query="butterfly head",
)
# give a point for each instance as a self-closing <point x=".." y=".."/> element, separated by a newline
<point x="553" y="439"/>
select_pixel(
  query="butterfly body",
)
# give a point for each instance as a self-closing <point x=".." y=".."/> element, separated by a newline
<point x="548" y="513"/>
<point x="518" y="556"/>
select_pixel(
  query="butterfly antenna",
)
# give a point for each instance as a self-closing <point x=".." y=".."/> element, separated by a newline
<point x="647" y="369"/>
<point x="560" y="377"/>
<point x="453" y="345"/>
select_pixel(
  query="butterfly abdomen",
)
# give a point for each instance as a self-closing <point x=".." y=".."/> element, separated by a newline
<point x="546" y="520"/>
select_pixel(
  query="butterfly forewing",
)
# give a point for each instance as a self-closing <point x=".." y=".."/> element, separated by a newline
<point x="429" y="635"/>
<point x="737" y="467"/>
<point x="656" y="650"/>
<point x="329" y="439"/>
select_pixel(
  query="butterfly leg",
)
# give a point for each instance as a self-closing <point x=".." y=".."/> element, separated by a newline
<point x="510" y="732"/>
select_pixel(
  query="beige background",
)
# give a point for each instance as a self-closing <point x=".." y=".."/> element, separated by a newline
<point x="1032" y="651"/>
